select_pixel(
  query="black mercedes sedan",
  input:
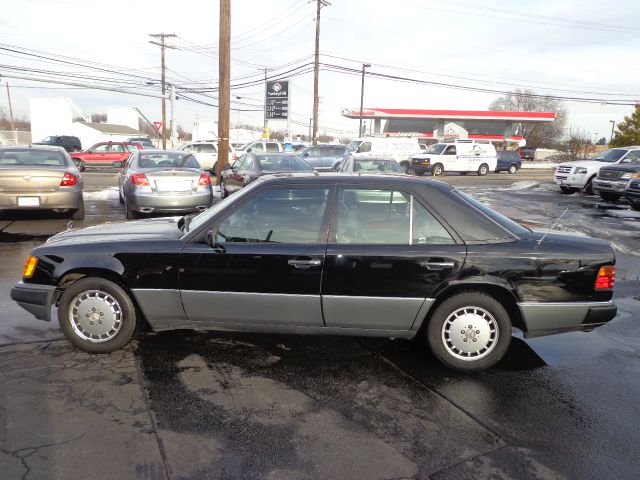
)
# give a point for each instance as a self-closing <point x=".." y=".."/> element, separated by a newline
<point x="370" y="255"/>
<point x="251" y="166"/>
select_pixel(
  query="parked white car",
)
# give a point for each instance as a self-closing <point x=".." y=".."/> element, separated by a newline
<point x="574" y="176"/>
<point x="206" y="153"/>
<point x="259" y="146"/>
<point x="462" y="156"/>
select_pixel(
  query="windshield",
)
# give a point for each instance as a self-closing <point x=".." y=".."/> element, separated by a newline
<point x="437" y="148"/>
<point x="610" y="155"/>
<point x="353" y="146"/>
<point x="500" y="219"/>
<point x="32" y="157"/>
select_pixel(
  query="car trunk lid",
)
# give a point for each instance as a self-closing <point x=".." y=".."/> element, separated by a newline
<point x="168" y="181"/>
<point x="30" y="180"/>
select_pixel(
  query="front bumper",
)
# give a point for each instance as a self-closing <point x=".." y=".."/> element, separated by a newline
<point x="419" y="168"/>
<point x="614" y="186"/>
<point x="47" y="200"/>
<point x="577" y="180"/>
<point x="550" y="318"/>
<point x="34" y="298"/>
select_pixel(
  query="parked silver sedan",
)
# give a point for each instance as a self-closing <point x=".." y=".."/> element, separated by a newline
<point x="163" y="181"/>
<point x="38" y="177"/>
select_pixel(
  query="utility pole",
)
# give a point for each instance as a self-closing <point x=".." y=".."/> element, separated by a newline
<point x="163" y="45"/>
<point x="316" y="72"/>
<point x="224" y="87"/>
<point x="364" y="65"/>
<point x="15" y="134"/>
<point x="613" y="126"/>
<point x="172" y="126"/>
<point x="264" y="123"/>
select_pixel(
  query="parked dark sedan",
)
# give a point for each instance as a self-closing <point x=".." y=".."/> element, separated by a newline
<point x="251" y="166"/>
<point x="376" y="255"/>
<point x="612" y="180"/>
<point x="632" y="194"/>
<point x="508" y="161"/>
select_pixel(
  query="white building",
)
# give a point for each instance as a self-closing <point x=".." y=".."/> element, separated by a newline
<point x="92" y="133"/>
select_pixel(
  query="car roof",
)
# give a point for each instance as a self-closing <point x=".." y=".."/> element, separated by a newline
<point x="272" y="154"/>
<point x="155" y="150"/>
<point x="353" y="179"/>
<point x="32" y="147"/>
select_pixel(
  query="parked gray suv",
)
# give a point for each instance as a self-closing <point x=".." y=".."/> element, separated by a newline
<point x="324" y="157"/>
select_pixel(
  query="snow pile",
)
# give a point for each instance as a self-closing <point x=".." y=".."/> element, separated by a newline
<point x="217" y="192"/>
<point x="524" y="185"/>
<point x="108" y="195"/>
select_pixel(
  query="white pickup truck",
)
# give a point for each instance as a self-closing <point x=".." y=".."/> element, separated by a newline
<point x="575" y="176"/>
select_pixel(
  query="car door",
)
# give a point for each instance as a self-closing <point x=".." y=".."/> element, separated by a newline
<point x="265" y="266"/>
<point x="386" y="257"/>
<point x="451" y="161"/>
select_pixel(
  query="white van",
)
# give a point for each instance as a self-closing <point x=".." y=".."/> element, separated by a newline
<point x="463" y="156"/>
<point x="399" y="148"/>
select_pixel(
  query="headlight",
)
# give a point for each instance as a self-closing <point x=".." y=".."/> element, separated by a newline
<point x="626" y="176"/>
<point x="581" y="170"/>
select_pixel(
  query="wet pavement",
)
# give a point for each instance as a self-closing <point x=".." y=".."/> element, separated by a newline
<point x="191" y="405"/>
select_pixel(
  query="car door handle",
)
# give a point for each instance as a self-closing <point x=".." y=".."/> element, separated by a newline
<point x="304" y="264"/>
<point x="438" y="265"/>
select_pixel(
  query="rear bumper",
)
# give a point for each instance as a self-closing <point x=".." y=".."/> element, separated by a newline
<point x="35" y="299"/>
<point x="613" y="186"/>
<point x="47" y="200"/>
<point x="549" y="318"/>
<point x="169" y="203"/>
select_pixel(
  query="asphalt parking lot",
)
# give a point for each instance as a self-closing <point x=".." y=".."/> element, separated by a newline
<point x="194" y="405"/>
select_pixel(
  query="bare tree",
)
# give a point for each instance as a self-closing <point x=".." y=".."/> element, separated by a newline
<point x="99" y="117"/>
<point x="543" y="135"/>
<point x="576" y="145"/>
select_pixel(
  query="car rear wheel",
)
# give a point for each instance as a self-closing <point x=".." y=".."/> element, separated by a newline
<point x="566" y="189"/>
<point x="483" y="170"/>
<point x="635" y="206"/>
<point x="96" y="315"/>
<point x="513" y="168"/>
<point x="609" y="197"/>
<point x="437" y="170"/>
<point x="223" y="189"/>
<point x="78" y="214"/>
<point x="470" y="331"/>
<point x="130" y="214"/>
<point x="406" y="168"/>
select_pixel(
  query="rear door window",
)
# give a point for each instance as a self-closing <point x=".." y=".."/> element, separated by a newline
<point x="272" y="147"/>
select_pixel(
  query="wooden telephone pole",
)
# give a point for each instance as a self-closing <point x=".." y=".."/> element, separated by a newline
<point x="316" y="73"/>
<point x="162" y="46"/>
<point x="224" y="87"/>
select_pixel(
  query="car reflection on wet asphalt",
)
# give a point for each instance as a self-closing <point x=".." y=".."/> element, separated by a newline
<point x="231" y="405"/>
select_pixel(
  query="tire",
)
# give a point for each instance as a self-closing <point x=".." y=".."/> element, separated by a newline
<point x="609" y="197"/>
<point x="223" y="189"/>
<point x="513" y="168"/>
<point x="130" y="214"/>
<point x="588" y="188"/>
<point x="437" y="170"/>
<point x="448" y="334"/>
<point x="635" y="206"/>
<point x="406" y="168"/>
<point x="566" y="189"/>
<point x="483" y="170"/>
<point x="96" y="315"/>
<point x="78" y="214"/>
<point x="120" y="197"/>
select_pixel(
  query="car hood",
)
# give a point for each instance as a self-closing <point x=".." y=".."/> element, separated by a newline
<point x="165" y="228"/>
<point x="623" y="168"/>
<point x="585" y="164"/>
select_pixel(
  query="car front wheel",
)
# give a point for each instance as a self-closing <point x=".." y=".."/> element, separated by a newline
<point x="96" y="315"/>
<point x="469" y="331"/>
<point x="437" y="170"/>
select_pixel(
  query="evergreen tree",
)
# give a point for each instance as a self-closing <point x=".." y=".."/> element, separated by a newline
<point x="628" y="131"/>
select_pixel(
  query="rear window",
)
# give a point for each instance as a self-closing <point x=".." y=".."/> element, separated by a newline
<point x="283" y="163"/>
<point x="167" y="159"/>
<point x="507" y="155"/>
<point x="377" y="166"/>
<point x="31" y="157"/>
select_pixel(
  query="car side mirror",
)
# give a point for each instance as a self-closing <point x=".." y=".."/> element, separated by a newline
<point x="80" y="165"/>
<point x="118" y="164"/>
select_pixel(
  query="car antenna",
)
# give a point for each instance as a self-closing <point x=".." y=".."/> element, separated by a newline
<point x="552" y="226"/>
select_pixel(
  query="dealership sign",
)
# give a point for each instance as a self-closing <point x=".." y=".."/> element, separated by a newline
<point x="277" y="100"/>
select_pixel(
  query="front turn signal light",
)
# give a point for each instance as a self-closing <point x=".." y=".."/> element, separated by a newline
<point x="29" y="266"/>
<point x="606" y="278"/>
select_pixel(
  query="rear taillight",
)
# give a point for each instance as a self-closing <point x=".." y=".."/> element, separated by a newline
<point x="204" y="180"/>
<point x="139" y="179"/>
<point x="606" y="278"/>
<point x="68" y="180"/>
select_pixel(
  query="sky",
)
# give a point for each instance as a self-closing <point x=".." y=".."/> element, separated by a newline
<point x="585" y="49"/>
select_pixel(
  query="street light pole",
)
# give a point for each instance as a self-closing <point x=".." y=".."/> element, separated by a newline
<point x="613" y="126"/>
<point x="364" y="65"/>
